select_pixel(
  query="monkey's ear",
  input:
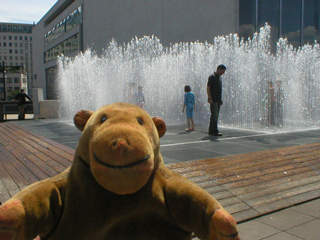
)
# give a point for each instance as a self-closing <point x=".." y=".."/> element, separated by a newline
<point x="81" y="118"/>
<point x="160" y="125"/>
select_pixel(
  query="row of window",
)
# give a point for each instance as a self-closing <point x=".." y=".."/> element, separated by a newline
<point x="11" y="64"/>
<point x="74" y="19"/>
<point x="67" y="46"/>
<point x="10" y="80"/>
<point x="15" y="51"/>
<point x="10" y="44"/>
<point x="10" y="89"/>
<point x="16" y="28"/>
<point x="4" y="37"/>
<point x="11" y="58"/>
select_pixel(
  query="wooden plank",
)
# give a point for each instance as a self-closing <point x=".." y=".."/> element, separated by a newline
<point x="273" y="180"/>
<point x="16" y="176"/>
<point x="44" y="139"/>
<point x="246" y="215"/>
<point x="261" y="203"/>
<point x="230" y="201"/>
<point x="43" y="158"/>
<point x="49" y="171"/>
<point x="4" y="197"/>
<point x="9" y="183"/>
<point x="289" y="201"/>
<point x="280" y="188"/>
<point x="244" y="183"/>
<point x="29" y="170"/>
<point x="238" y="207"/>
<point x="43" y="146"/>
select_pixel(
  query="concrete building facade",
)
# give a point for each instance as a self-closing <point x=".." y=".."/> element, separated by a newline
<point x="71" y="26"/>
<point x="15" y="51"/>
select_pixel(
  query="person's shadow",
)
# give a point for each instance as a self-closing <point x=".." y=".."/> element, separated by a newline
<point x="211" y="138"/>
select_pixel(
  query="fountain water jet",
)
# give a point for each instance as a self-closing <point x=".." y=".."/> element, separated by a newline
<point x="261" y="90"/>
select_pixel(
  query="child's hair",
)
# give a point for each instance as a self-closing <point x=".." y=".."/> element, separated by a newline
<point x="187" y="88"/>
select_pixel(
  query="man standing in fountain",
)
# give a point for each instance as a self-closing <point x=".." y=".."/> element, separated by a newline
<point x="214" y="91"/>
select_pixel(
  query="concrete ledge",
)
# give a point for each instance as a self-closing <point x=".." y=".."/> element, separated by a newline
<point x="48" y="109"/>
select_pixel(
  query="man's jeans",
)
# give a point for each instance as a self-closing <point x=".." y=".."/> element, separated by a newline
<point x="214" y="109"/>
<point x="22" y="109"/>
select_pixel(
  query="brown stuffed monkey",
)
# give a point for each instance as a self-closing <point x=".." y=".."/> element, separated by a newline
<point x="117" y="188"/>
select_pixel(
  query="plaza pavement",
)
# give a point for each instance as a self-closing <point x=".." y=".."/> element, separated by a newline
<point x="301" y="221"/>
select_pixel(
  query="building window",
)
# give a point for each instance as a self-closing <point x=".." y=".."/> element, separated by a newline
<point x="69" y="45"/>
<point x="311" y="21"/>
<point x="9" y="80"/>
<point x="74" y="19"/>
<point x="269" y="11"/>
<point x="247" y="16"/>
<point x="15" y="38"/>
<point x="16" y="80"/>
<point x="291" y="21"/>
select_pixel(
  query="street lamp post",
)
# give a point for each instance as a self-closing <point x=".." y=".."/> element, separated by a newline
<point x="4" y="81"/>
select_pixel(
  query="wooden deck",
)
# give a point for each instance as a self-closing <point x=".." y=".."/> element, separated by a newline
<point x="247" y="185"/>
<point x="27" y="157"/>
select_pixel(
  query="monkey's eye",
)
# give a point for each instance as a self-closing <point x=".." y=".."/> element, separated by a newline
<point x="103" y="118"/>
<point x="140" y="121"/>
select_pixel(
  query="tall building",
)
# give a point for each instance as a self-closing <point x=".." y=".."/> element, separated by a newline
<point x="72" y="26"/>
<point x="15" y="57"/>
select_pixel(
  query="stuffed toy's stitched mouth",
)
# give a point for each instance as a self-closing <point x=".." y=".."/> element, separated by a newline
<point x="121" y="166"/>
